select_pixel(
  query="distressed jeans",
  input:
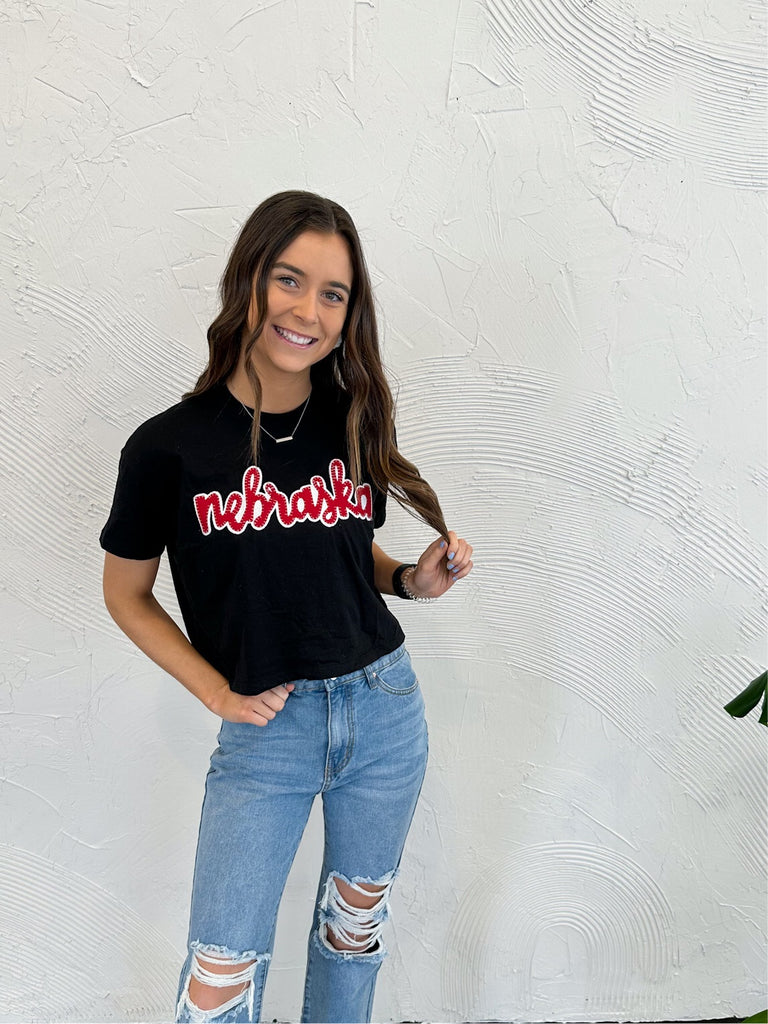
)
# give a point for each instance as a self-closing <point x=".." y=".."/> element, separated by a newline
<point x="359" y="740"/>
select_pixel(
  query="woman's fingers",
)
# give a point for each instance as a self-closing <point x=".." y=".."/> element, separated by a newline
<point x="459" y="556"/>
<point x="275" y="698"/>
<point x="462" y="572"/>
<point x="445" y="561"/>
<point x="455" y="554"/>
<point x="258" y="710"/>
<point x="431" y="556"/>
<point x="270" y="703"/>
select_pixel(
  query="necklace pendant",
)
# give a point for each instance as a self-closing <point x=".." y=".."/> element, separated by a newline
<point x="280" y="440"/>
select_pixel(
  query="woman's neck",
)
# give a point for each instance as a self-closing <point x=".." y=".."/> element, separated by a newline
<point x="279" y="393"/>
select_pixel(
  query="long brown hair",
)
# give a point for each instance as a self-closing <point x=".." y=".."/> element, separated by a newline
<point x="355" y="368"/>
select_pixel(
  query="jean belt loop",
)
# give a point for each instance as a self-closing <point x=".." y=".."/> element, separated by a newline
<point x="369" y="676"/>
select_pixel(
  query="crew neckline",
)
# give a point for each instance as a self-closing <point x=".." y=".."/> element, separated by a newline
<point x="249" y="408"/>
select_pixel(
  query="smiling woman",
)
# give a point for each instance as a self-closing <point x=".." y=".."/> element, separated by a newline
<point x="265" y="485"/>
<point x="306" y="307"/>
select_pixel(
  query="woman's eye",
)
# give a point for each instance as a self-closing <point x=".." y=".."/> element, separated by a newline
<point x="284" y="279"/>
<point x="334" y="296"/>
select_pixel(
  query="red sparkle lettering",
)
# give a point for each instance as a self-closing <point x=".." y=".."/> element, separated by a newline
<point x="304" y="505"/>
<point x="316" y="502"/>
<point x="207" y="507"/>
<point x="363" y="507"/>
<point x="328" y="514"/>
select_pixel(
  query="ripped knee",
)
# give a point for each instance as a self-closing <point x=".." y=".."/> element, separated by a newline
<point x="217" y="981"/>
<point x="353" y="913"/>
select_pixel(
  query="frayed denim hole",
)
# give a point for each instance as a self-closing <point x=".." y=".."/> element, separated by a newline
<point x="348" y="922"/>
<point x="203" y="954"/>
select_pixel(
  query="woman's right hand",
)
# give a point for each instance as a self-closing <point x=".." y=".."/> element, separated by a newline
<point x="257" y="710"/>
<point x="128" y="594"/>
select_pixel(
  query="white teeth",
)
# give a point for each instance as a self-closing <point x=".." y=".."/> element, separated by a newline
<point x="297" y="339"/>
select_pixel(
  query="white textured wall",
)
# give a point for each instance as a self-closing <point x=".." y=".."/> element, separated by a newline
<point x="561" y="204"/>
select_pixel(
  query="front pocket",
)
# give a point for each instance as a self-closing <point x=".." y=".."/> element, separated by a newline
<point x="398" y="677"/>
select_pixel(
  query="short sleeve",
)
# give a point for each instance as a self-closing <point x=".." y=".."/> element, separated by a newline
<point x="143" y="513"/>
<point x="379" y="508"/>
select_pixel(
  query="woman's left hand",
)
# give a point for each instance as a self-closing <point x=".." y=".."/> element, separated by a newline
<point x="441" y="565"/>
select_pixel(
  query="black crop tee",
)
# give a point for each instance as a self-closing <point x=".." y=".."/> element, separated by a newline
<point x="272" y="564"/>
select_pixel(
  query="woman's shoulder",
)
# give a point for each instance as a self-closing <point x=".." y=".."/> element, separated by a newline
<point x="332" y="398"/>
<point x="167" y="430"/>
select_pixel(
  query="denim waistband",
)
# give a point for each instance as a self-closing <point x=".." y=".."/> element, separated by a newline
<point x="309" y="685"/>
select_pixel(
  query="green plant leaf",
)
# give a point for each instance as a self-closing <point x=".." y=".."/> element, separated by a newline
<point x="750" y="698"/>
<point x="759" y="1018"/>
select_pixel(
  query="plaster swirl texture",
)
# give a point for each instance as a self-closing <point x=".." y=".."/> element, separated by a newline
<point x="653" y="92"/>
<point x="618" y="912"/>
<point x="562" y="205"/>
<point x="55" y="923"/>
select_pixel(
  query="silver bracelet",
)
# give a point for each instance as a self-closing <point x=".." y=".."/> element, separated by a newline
<point x="406" y="575"/>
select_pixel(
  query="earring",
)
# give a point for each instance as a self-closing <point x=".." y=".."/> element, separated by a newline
<point x="339" y="343"/>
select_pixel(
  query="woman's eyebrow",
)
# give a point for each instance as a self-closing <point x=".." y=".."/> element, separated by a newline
<point x="300" y="273"/>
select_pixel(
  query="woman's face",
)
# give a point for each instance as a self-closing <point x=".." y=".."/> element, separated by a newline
<point x="308" y="293"/>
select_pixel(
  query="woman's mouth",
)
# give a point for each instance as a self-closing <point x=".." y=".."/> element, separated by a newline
<point x="300" y="340"/>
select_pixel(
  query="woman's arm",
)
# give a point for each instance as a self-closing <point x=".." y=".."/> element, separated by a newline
<point x="383" y="567"/>
<point x="129" y="599"/>
<point x="438" y="568"/>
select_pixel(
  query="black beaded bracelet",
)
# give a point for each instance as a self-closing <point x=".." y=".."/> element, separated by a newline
<point x="397" y="581"/>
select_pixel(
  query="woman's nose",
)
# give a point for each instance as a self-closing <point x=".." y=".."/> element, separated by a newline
<point x="306" y="307"/>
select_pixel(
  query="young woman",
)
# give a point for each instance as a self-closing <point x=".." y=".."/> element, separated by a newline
<point x="265" y="484"/>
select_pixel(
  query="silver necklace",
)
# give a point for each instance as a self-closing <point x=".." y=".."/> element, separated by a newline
<point x="289" y="437"/>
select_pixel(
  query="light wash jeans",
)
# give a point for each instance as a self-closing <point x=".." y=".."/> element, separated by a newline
<point x="361" y="741"/>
